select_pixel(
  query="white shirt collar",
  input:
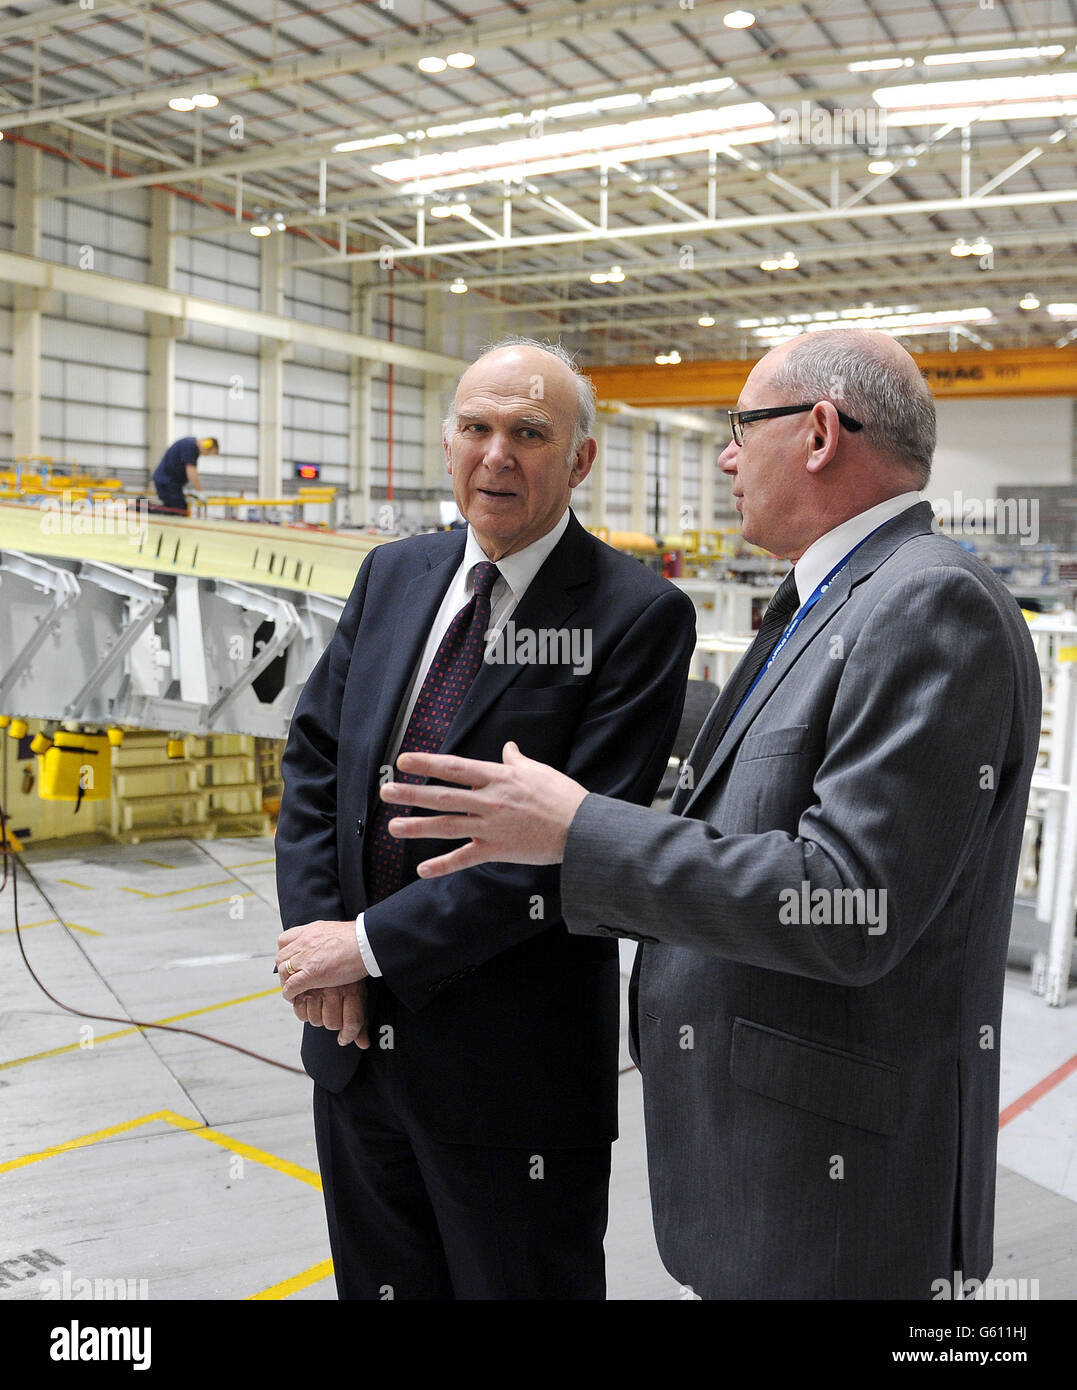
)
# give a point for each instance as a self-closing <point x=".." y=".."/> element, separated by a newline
<point x="520" y="568"/>
<point x="823" y="554"/>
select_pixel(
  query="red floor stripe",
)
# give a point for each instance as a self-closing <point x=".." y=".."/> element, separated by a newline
<point x="1040" y="1089"/>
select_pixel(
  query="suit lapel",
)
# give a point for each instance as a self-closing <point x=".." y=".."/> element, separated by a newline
<point x="551" y="597"/>
<point x="411" y="620"/>
<point x="913" y="522"/>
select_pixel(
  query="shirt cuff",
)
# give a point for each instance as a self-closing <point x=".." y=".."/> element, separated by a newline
<point x="365" y="949"/>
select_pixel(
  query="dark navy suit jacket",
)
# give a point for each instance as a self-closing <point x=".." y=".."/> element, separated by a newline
<point x="501" y="1027"/>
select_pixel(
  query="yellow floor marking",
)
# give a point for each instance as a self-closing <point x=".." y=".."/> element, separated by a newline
<point x="314" y="1275"/>
<point x="217" y="882"/>
<point x="25" y="926"/>
<point x="213" y="902"/>
<point x="158" y="864"/>
<point x="127" y="1032"/>
<point x="184" y="1122"/>
<point x="279" y="1165"/>
<point x="80" y="1143"/>
<point x="248" y="863"/>
<point x="72" y="884"/>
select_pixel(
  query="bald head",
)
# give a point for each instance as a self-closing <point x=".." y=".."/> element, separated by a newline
<point x="517" y="443"/>
<point x="871" y="377"/>
<point x="863" y="431"/>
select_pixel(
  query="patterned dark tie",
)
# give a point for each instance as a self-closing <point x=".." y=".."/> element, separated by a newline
<point x="779" y="610"/>
<point x="455" y="665"/>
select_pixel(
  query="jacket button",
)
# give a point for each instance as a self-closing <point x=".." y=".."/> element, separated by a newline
<point x="358" y="827"/>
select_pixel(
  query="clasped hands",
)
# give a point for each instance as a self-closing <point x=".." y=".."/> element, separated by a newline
<point x="514" y="812"/>
<point x="321" y="970"/>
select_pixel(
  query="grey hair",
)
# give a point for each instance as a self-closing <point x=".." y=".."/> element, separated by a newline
<point x="585" y="391"/>
<point x="895" y="406"/>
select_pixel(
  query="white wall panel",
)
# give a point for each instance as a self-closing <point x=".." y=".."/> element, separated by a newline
<point x="983" y="443"/>
<point x="618" y="474"/>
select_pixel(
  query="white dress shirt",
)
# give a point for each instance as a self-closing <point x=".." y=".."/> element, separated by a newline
<point x="517" y="572"/>
<point x="823" y="554"/>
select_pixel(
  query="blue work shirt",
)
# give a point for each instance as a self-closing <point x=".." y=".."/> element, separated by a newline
<point x="172" y="470"/>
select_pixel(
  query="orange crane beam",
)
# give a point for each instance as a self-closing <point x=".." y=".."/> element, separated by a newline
<point x="969" y="374"/>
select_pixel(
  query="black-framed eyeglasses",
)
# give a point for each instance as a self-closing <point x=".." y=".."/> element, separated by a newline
<point x="739" y="418"/>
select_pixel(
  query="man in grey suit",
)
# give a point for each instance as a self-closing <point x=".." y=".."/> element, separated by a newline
<point x="826" y="912"/>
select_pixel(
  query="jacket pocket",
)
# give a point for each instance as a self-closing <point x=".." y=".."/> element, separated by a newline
<point x="774" y="743"/>
<point x="544" y="699"/>
<point x="837" y="1085"/>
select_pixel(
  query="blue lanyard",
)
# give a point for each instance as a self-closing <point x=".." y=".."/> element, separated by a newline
<point x="802" y="612"/>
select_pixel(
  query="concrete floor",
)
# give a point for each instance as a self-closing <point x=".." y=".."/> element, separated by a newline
<point x="159" y="1157"/>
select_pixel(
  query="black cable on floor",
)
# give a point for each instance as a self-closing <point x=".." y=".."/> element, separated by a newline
<point x="8" y="854"/>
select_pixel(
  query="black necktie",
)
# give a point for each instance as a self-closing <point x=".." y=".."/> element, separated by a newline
<point x="775" y="620"/>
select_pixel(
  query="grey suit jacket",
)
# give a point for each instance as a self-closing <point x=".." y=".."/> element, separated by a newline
<point x="827" y="918"/>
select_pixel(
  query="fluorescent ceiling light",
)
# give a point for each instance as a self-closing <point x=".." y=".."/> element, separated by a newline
<point x="738" y="19"/>
<point x="887" y="322"/>
<point x="348" y="146"/>
<point x="206" y="100"/>
<point x="999" y="98"/>
<point x="181" y="104"/>
<point x="571" y="110"/>
<point x="668" y="359"/>
<point x="1028" y="301"/>
<point x="261" y="229"/>
<point x="618" y="101"/>
<point x="475" y="127"/>
<point x="706" y="320"/>
<point x="461" y="60"/>
<point x="691" y="89"/>
<point x="880" y="64"/>
<point x="1062" y="311"/>
<point x="441" y="210"/>
<point x="677" y="133"/>
<point x="431" y="64"/>
<point x="881" y="166"/>
<point x="993" y="55"/>
<point x="458" y="286"/>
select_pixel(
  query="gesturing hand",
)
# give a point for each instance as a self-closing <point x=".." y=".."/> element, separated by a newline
<point x="515" y="812"/>
<point x="341" y="1008"/>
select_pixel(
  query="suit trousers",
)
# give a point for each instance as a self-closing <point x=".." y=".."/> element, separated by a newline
<point x="413" y="1218"/>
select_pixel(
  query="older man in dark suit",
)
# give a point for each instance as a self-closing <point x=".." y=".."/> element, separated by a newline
<point x="828" y="909"/>
<point x="466" y="1153"/>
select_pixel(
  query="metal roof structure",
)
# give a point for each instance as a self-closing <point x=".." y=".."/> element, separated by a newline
<point x="670" y="148"/>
